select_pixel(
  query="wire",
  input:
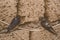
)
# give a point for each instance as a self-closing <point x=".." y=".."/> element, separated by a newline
<point x="4" y="22"/>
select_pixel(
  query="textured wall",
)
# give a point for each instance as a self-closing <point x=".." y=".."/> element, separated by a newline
<point x="31" y="10"/>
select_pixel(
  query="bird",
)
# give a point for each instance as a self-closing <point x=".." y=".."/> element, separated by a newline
<point x="15" y="21"/>
<point x="46" y="25"/>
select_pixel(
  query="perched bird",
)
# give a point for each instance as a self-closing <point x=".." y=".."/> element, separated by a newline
<point x="14" y="23"/>
<point x="45" y="24"/>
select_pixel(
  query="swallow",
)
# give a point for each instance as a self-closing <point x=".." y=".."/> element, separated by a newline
<point x="46" y="25"/>
<point x="14" y="23"/>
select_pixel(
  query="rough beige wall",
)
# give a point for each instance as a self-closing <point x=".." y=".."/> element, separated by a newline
<point x="16" y="35"/>
<point x="52" y="9"/>
<point x="7" y="10"/>
<point x="32" y="10"/>
<point x="43" y="34"/>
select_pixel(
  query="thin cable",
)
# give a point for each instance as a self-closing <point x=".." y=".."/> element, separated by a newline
<point x="4" y="22"/>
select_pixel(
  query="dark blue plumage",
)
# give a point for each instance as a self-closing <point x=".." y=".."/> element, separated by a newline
<point x="14" y="23"/>
<point x="45" y="24"/>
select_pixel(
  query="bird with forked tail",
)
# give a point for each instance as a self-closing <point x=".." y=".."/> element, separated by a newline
<point x="14" y="23"/>
<point x="46" y="25"/>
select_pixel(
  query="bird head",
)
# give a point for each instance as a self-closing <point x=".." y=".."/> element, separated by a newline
<point x="42" y="19"/>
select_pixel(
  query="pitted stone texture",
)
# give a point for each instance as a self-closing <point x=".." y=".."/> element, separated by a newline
<point x="53" y="9"/>
<point x="45" y="35"/>
<point x="2" y="26"/>
<point x="41" y="35"/>
<point x="16" y="35"/>
<point x="7" y="10"/>
<point x="57" y="5"/>
<point x="57" y="29"/>
<point x="31" y="9"/>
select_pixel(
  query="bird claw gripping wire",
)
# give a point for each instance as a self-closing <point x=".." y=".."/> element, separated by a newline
<point x="46" y="25"/>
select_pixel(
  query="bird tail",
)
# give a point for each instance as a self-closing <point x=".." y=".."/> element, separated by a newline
<point x="53" y="31"/>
